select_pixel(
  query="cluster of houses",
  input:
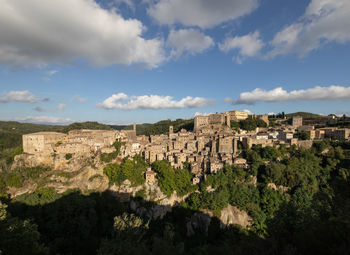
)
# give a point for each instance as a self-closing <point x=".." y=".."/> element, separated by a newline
<point x="211" y="144"/>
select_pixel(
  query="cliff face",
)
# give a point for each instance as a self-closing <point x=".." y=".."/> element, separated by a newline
<point x="231" y="215"/>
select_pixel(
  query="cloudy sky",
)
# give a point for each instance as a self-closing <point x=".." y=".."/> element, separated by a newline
<point x="125" y="61"/>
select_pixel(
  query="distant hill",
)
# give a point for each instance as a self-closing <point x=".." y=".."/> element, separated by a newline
<point x="305" y="115"/>
<point x="160" y="127"/>
<point x="86" y="125"/>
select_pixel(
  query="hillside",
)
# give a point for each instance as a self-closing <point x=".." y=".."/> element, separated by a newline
<point x="160" y="127"/>
<point x="305" y="115"/>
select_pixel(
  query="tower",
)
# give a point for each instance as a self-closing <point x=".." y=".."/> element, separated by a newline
<point x="171" y="130"/>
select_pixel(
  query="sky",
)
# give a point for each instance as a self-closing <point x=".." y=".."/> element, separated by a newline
<point x="141" y="61"/>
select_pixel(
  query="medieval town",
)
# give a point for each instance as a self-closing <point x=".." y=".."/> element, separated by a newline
<point x="211" y="144"/>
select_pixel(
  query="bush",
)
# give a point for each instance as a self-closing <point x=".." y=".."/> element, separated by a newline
<point x="141" y="194"/>
<point x="69" y="156"/>
<point x="14" y="180"/>
<point x="34" y="172"/>
<point x="133" y="170"/>
<point x="108" y="157"/>
<point x="170" y="179"/>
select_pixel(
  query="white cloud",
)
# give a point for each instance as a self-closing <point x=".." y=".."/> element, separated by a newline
<point x="19" y="96"/>
<point x="248" y="45"/>
<point x="280" y="95"/>
<point x="79" y="99"/>
<point x="44" y="120"/>
<point x="154" y="102"/>
<point x="201" y="13"/>
<point x="247" y="111"/>
<point x="271" y="113"/>
<point x="324" y="21"/>
<point x="188" y="40"/>
<point x="61" y="106"/>
<point x="51" y="72"/>
<point x="34" y="33"/>
<point x="202" y="114"/>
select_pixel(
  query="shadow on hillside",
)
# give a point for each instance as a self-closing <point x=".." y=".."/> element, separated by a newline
<point x="77" y="224"/>
<point x="84" y="224"/>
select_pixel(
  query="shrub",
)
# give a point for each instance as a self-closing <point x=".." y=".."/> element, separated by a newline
<point x="69" y="156"/>
<point x="108" y="157"/>
<point x="14" y="180"/>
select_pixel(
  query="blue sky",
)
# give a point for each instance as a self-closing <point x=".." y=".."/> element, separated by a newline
<point x="125" y="61"/>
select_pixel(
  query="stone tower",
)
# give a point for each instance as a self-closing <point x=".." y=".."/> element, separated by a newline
<point x="171" y="130"/>
<point x="297" y="121"/>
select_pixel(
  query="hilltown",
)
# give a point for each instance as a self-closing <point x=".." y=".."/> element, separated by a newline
<point x="211" y="145"/>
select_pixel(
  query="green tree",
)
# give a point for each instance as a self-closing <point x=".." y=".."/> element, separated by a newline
<point x="18" y="236"/>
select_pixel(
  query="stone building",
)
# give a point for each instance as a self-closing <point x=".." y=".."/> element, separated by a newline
<point x="238" y="115"/>
<point x="213" y="121"/>
<point x="41" y="142"/>
<point x="297" y="121"/>
<point x="341" y="134"/>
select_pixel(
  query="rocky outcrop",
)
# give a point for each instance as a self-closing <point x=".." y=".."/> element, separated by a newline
<point x="277" y="188"/>
<point x="86" y="178"/>
<point x="156" y="211"/>
<point x="231" y="215"/>
<point x="28" y="188"/>
<point x="199" y="221"/>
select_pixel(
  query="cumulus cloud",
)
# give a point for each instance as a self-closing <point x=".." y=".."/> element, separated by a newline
<point x="78" y="99"/>
<point x="19" y="96"/>
<point x="44" y="120"/>
<point x="248" y="45"/>
<point x="202" y="114"/>
<point x="201" y="13"/>
<point x="34" y="33"/>
<point x="155" y="102"/>
<point x="61" y="106"/>
<point x="188" y="40"/>
<point x="324" y="21"/>
<point x="280" y="95"/>
<point x="247" y="111"/>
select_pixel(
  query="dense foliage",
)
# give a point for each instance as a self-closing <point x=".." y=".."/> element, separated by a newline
<point x="161" y="127"/>
<point x="248" y="124"/>
<point x="130" y="169"/>
<point x="170" y="180"/>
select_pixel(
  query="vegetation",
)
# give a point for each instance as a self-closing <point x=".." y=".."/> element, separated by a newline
<point x="305" y="115"/>
<point x="68" y="156"/>
<point x="170" y="180"/>
<point x="303" y="135"/>
<point x="109" y="157"/>
<point x="248" y="124"/>
<point x="16" y="178"/>
<point x="85" y="125"/>
<point x="161" y="127"/>
<point x="130" y="169"/>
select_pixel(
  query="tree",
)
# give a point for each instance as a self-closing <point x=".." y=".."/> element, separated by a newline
<point x="18" y="236"/>
<point x="127" y="235"/>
